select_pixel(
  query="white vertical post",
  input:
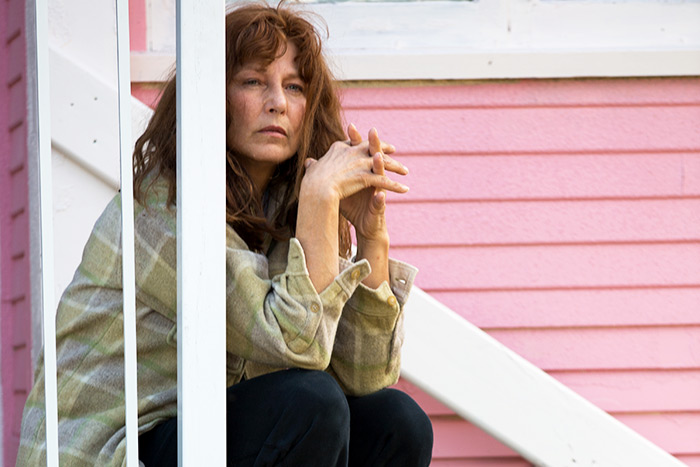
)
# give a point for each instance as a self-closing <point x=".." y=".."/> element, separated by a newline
<point x="128" y="271"/>
<point x="43" y="112"/>
<point x="201" y="178"/>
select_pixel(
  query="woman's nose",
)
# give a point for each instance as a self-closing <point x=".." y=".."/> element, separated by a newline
<point x="276" y="99"/>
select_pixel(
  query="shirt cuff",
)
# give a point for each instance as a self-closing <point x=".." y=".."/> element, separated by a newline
<point x="338" y="291"/>
<point x="388" y="298"/>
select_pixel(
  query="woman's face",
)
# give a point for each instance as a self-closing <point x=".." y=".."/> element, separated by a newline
<point x="267" y="107"/>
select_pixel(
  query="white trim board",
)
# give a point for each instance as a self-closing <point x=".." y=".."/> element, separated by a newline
<point x="511" y="399"/>
<point x="482" y="65"/>
<point x="487" y="39"/>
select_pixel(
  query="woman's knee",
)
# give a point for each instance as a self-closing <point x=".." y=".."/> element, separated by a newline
<point x="395" y="421"/>
<point x="412" y="423"/>
<point x="317" y="395"/>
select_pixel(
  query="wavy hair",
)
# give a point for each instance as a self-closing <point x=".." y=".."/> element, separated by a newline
<point x="255" y="33"/>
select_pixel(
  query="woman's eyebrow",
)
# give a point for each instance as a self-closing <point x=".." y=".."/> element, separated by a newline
<point x="294" y="75"/>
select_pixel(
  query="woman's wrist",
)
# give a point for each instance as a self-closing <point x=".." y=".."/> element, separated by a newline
<point x="376" y="251"/>
<point x="380" y="240"/>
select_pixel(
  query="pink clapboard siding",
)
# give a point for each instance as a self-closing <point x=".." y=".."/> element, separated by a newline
<point x="15" y="311"/>
<point x="562" y="217"/>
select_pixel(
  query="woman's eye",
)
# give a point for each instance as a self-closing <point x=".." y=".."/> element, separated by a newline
<point x="251" y="82"/>
<point x="296" y="87"/>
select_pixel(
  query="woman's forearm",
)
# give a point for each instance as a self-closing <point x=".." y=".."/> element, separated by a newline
<point x="317" y="231"/>
<point x="376" y="251"/>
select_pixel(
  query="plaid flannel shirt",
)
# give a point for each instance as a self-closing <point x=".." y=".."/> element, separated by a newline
<point x="275" y="319"/>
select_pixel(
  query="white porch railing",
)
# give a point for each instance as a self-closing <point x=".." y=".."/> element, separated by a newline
<point x="201" y="240"/>
<point x="128" y="254"/>
<point x="447" y="357"/>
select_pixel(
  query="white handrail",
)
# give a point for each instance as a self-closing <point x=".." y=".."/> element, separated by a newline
<point x="43" y="113"/>
<point x="510" y="398"/>
<point x="128" y="257"/>
<point x="201" y="239"/>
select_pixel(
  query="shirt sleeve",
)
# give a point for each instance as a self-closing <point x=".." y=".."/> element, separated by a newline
<point x="278" y="321"/>
<point x="282" y="321"/>
<point x="367" y="352"/>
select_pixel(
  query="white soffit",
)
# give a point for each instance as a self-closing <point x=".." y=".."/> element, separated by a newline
<point x="486" y="39"/>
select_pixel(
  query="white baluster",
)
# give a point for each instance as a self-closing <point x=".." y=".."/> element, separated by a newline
<point x="201" y="170"/>
<point x="127" y="195"/>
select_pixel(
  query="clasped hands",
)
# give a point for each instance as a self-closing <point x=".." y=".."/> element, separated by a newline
<point x="354" y="173"/>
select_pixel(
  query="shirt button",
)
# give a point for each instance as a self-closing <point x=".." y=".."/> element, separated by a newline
<point x="391" y="301"/>
<point x="314" y="307"/>
<point x="355" y="274"/>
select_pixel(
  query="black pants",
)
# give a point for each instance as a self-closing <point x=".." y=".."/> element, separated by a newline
<point x="302" y="418"/>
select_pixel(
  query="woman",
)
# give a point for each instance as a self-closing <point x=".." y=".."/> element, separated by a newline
<point x="313" y="339"/>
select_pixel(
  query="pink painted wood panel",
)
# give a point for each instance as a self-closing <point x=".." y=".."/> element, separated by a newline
<point x="138" y="33"/>
<point x="148" y="93"/>
<point x="536" y="130"/>
<point x="625" y="391"/>
<point x="558" y="222"/>
<point x="523" y="93"/>
<point x="456" y="438"/>
<point x="15" y="310"/>
<point x="555" y="266"/>
<point x="480" y="462"/>
<point x="563" y="217"/>
<point x="575" y="307"/>
<point x="550" y="177"/>
<point x="636" y="391"/>
<point x="623" y="348"/>
<point x="17" y="156"/>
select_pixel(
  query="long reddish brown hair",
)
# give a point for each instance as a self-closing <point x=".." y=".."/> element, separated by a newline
<point x="255" y="33"/>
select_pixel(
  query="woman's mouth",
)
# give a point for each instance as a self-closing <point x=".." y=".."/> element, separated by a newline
<point x="274" y="130"/>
